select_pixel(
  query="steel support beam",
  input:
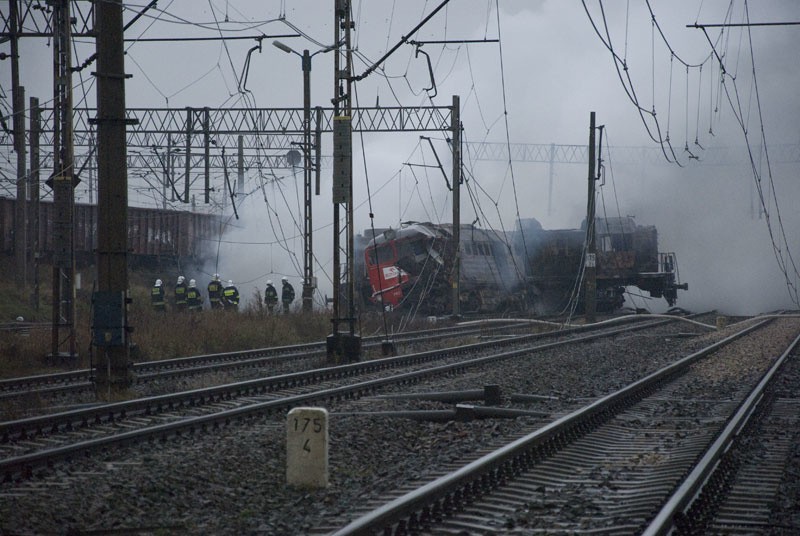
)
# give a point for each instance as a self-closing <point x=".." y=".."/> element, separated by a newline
<point x="35" y="20"/>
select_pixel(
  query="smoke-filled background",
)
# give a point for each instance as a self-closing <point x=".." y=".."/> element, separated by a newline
<point x="700" y="126"/>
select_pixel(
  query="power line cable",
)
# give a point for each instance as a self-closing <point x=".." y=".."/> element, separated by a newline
<point x="507" y="130"/>
<point x="620" y="66"/>
<point x="171" y="18"/>
<point x="735" y="104"/>
<point x="371" y="220"/>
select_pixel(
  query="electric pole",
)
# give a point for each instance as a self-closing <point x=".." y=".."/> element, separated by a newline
<point x="343" y="345"/>
<point x="35" y="128"/>
<point x="110" y="321"/>
<point x="309" y="281"/>
<point x="63" y="182"/>
<point x="18" y="105"/>
<point x="590" y="287"/>
<point x="455" y="125"/>
<point x="308" y="249"/>
<point x="188" y="162"/>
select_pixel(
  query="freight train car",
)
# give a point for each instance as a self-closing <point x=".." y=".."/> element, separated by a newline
<point x="530" y="269"/>
<point x="152" y="233"/>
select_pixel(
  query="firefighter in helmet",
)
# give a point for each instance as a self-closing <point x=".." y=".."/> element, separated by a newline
<point x="180" y="293"/>
<point x="215" y="292"/>
<point x="194" y="299"/>
<point x="230" y="297"/>
<point x="270" y="297"/>
<point x="287" y="294"/>
<point x="157" y="296"/>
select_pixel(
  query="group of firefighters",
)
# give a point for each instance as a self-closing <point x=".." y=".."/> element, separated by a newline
<point x="189" y="298"/>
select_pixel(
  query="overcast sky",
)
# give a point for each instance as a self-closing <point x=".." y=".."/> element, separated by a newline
<point x="538" y="85"/>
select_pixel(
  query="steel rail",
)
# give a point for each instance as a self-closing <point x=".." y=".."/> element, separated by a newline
<point x="698" y="479"/>
<point x="43" y="379"/>
<point x="412" y="510"/>
<point x="78" y="381"/>
<point x="24" y="463"/>
<point x="81" y="379"/>
<point x="110" y="412"/>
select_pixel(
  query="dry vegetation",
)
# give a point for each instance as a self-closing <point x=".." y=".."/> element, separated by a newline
<point x="155" y="336"/>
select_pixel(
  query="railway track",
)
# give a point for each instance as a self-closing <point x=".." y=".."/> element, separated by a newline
<point x="265" y="360"/>
<point x="608" y="467"/>
<point x="28" y="444"/>
<point x="733" y="487"/>
<point x="80" y="381"/>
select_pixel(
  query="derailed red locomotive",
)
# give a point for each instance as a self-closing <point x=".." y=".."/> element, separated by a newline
<point x="529" y="269"/>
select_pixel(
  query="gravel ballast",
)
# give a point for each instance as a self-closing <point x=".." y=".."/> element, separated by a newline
<point x="232" y="480"/>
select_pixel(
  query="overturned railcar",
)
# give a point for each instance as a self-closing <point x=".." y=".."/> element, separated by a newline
<point x="530" y="269"/>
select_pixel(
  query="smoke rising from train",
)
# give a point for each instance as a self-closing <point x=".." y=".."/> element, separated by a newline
<point x="554" y="72"/>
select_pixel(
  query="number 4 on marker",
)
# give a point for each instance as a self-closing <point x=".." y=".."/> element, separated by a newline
<point x="306" y="447"/>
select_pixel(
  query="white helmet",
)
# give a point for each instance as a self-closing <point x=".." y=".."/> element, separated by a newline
<point x="181" y="279"/>
<point x="284" y="278"/>
<point x="216" y="277"/>
<point x="158" y="282"/>
<point x="269" y="281"/>
<point x="230" y="283"/>
<point x="192" y="283"/>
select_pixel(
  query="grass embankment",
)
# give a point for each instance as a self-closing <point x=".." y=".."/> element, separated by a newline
<point x="155" y="335"/>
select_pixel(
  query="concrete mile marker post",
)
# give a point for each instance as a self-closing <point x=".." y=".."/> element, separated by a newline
<point x="307" y="447"/>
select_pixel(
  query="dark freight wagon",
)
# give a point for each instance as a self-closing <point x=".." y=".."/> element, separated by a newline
<point x="152" y="233"/>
